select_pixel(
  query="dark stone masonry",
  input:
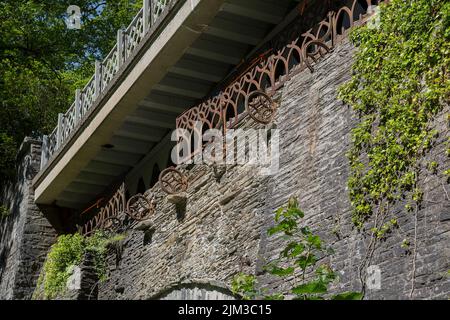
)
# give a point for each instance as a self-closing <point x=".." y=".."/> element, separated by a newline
<point x="25" y="234"/>
<point x="224" y="228"/>
<point x="194" y="253"/>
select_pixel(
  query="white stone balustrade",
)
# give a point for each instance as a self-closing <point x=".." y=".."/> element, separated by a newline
<point x="128" y="40"/>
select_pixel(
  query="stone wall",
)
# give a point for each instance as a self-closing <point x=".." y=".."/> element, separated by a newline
<point x="197" y="291"/>
<point x="25" y="235"/>
<point x="216" y="236"/>
<point x="194" y="251"/>
<point x="315" y="128"/>
<point x="224" y="227"/>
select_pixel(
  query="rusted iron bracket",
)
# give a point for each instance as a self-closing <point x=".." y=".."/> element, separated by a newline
<point x="172" y="181"/>
<point x="260" y="107"/>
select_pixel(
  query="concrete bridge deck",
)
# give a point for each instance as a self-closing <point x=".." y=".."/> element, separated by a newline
<point x="173" y="54"/>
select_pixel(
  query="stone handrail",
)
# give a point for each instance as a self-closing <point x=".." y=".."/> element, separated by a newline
<point x="128" y="40"/>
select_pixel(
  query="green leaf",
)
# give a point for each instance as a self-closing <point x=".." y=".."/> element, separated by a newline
<point x="306" y="261"/>
<point x="348" y="296"/>
<point x="315" y="241"/>
<point x="274" y="297"/>
<point x="293" y="250"/>
<point x="244" y="285"/>
<point x="275" y="230"/>
<point x="314" y="287"/>
<point x="281" y="272"/>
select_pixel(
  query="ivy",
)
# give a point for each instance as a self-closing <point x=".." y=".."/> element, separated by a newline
<point x="298" y="259"/>
<point x="4" y="212"/>
<point x="244" y="285"/>
<point x="98" y="245"/>
<point x="68" y="252"/>
<point x="400" y="84"/>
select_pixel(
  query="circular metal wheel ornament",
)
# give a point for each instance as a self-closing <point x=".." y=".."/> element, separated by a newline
<point x="140" y="208"/>
<point x="317" y="47"/>
<point x="260" y="107"/>
<point x="111" y="224"/>
<point x="173" y="181"/>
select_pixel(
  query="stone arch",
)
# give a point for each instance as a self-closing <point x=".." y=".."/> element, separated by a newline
<point x="155" y="175"/>
<point x="195" y="290"/>
<point x="141" y="188"/>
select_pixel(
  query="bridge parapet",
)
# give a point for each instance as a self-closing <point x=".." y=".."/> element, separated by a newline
<point x="148" y="20"/>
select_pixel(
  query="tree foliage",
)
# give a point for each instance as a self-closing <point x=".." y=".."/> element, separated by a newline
<point x="42" y="62"/>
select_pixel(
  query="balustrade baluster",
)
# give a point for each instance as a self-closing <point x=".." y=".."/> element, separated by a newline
<point x="59" y="132"/>
<point x="120" y="47"/>
<point x="152" y="11"/>
<point x="77" y="107"/>
<point x="128" y="40"/>
<point x="44" y="151"/>
<point x="146" y="16"/>
<point x="98" y="78"/>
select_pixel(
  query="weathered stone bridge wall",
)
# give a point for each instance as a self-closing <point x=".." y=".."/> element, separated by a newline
<point x="25" y="234"/>
<point x="194" y="253"/>
<point x="224" y="227"/>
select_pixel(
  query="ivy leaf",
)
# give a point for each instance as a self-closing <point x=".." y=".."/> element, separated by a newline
<point x="295" y="213"/>
<point x="275" y="230"/>
<point x="348" y="296"/>
<point x="315" y="241"/>
<point x="275" y="297"/>
<point x="281" y="272"/>
<point x="325" y="274"/>
<point x="293" y="250"/>
<point x="314" y="287"/>
<point x="278" y="214"/>
<point x="305" y="231"/>
<point x="305" y="261"/>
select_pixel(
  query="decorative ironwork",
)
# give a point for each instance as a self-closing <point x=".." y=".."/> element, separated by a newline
<point x="231" y="105"/>
<point x="112" y="216"/>
<point x="157" y="8"/>
<point x="140" y="208"/>
<point x="227" y="109"/>
<point x="249" y="95"/>
<point x="110" y="66"/>
<point x="87" y="98"/>
<point x="134" y="33"/>
<point x="313" y="49"/>
<point x="109" y="215"/>
<point x="69" y="122"/>
<point x="172" y="181"/>
<point x="48" y="147"/>
<point x="125" y="48"/>
<point x="112" y="225"/>
<point x="260" y="107"/>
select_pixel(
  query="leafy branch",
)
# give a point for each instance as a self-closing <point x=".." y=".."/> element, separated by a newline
<point x="299" y="258"/>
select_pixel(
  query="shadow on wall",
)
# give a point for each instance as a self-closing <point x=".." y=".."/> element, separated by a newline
<point x="14" y="196"/>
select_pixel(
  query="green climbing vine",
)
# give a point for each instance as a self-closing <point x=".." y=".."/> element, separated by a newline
<point x="401" y="83"/>
<point x="299" y="259"/>
<point x="4" y="212"/>
<point x="67" y="253"/>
